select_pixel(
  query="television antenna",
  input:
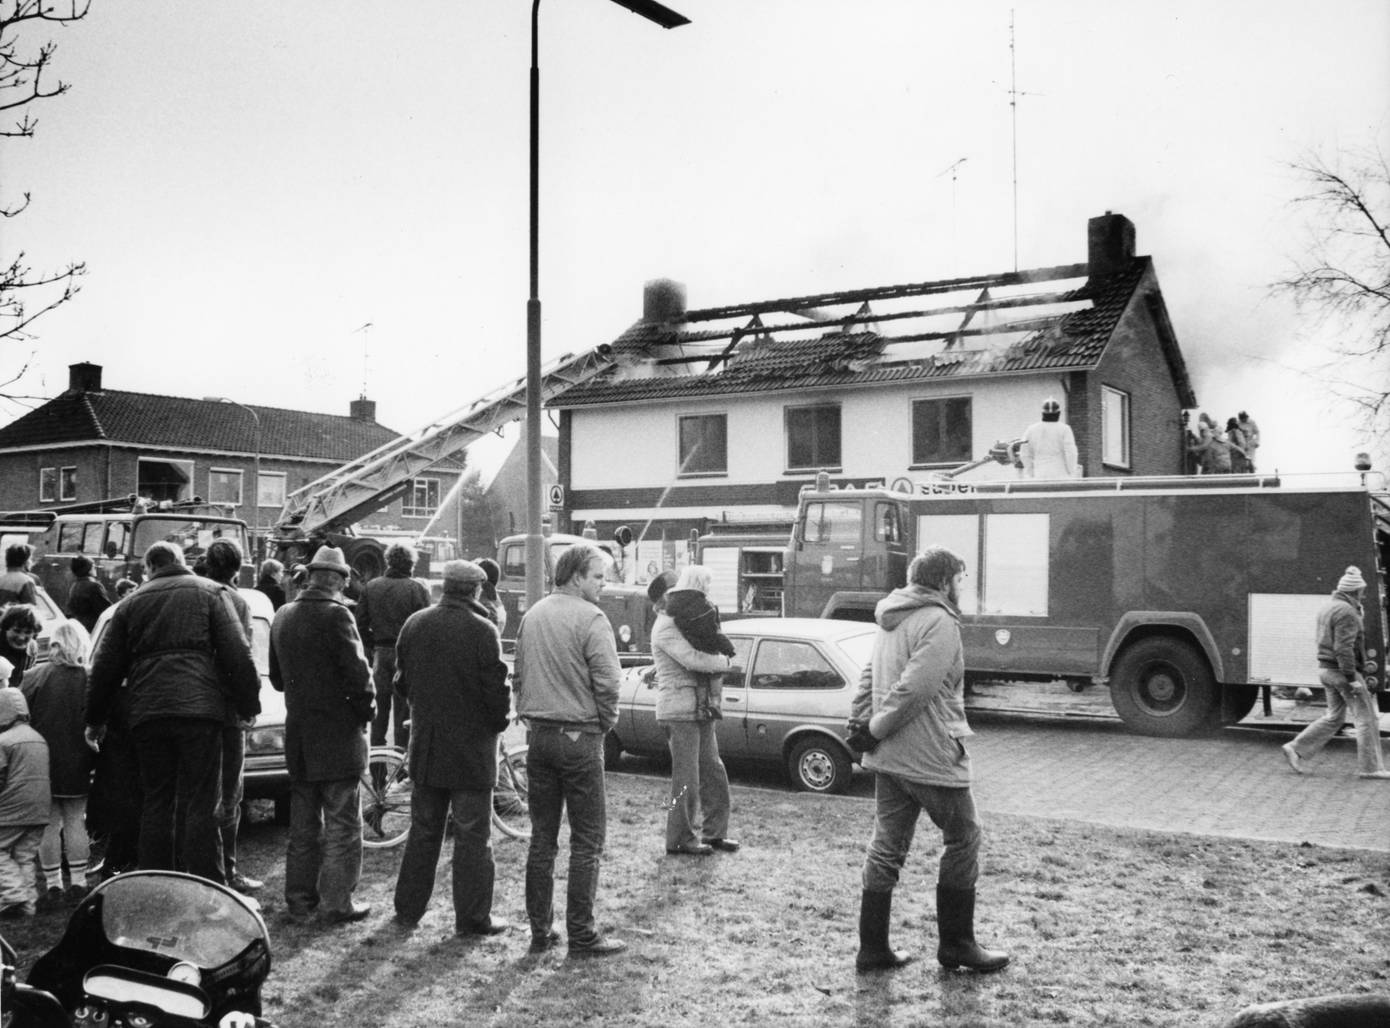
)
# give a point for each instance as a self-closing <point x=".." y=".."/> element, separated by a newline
<point x="1014" y="94"/>
<point x="953" y="168"/>
<point x="366" y="330"/>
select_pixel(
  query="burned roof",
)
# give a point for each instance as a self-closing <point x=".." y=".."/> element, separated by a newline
<point x="1046" y="319"/>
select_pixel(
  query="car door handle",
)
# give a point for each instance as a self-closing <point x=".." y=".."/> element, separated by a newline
<point x="733" y="699"/>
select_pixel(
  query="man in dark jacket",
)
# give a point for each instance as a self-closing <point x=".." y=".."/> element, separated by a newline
<point x="316" y="660"/>
<point x="449" y="663"/>
<point x="385" y="604"/>
<point x="181" y="651"/>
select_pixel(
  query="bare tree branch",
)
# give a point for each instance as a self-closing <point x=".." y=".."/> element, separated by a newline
<point x="1343" y="282"/>
<point x="26" y="295"/>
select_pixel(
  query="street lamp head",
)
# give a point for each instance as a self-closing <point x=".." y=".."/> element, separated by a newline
<point x="653" y="11"/>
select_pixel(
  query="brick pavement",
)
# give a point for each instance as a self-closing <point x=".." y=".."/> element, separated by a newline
<point x="1234" y="785"/>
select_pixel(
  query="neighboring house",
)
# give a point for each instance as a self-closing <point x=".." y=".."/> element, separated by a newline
<point x="723" y="414"/>
<point x="91" y="443"/>
<point x="506" y="491"/>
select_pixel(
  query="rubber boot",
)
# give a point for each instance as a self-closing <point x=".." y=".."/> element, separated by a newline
<point x="955" y="920"/>
<point x="874" y="952"/>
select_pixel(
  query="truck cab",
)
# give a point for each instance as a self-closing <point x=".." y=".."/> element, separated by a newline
<point x="626" y="606"/>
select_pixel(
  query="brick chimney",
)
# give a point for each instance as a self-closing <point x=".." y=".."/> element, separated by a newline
<point x="362" y="409"/>
<point x="84" y="378"/>
<point x="663" y="300"/>
<point x="1110" y="244"/>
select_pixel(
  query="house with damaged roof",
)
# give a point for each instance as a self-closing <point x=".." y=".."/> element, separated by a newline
<point x="721" y="415"/>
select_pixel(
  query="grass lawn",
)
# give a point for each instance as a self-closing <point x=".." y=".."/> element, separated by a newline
<point x="1106" y="927"/>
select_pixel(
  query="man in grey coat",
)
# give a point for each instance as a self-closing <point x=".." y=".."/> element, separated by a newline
<point x="449" y="665"/>
<point x="908" y="719"/>
<point x="316" y="660"/>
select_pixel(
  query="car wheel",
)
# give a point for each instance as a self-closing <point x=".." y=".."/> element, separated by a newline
<point x="818" y="765"/>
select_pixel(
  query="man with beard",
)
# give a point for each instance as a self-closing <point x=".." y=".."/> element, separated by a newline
<point x="908" y="719"/>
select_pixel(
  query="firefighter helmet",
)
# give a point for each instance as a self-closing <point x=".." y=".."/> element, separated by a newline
<point x="1051" y="406"/>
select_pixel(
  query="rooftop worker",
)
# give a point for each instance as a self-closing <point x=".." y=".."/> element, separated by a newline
<point x="1049" y="448"/>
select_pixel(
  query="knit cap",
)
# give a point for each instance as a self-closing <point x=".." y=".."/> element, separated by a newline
<point x="1351" y="581"/>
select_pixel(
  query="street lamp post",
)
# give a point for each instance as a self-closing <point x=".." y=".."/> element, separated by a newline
<point x="535" y="542"/>
<point x="256" y="473"/>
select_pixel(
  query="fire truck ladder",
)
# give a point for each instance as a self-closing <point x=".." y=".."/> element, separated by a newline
<point x="356" y="489"/>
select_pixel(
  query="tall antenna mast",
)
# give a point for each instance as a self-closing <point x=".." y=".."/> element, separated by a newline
<point x="366" y="331"/>
<point x="1013" y="116"/>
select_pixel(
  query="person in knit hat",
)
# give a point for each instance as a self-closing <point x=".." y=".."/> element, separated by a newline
<point x="1341" y="669"/>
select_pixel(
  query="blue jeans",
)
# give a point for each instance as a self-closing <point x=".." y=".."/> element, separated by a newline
<point x="473" y="868"/>
<point x="898" y="802"/>
<point x="1345" y="695"/>
<point x="565" y="772"/>
<point x="323" y="857"/>
<point x="699" y="785"/>
<point x="180" y="762"/>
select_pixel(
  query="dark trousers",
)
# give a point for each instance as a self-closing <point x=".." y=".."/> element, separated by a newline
<point x="473" y="869"/>
<point x="180" y="762"/>
<point x="388" y="713"/>
<point x="323" y="855"/>
<point x="116" y="800"/>
<point x="565" y="771"/>
<point x="233" y="788"/>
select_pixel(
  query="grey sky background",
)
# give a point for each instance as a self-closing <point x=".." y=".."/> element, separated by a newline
<point x="251" y="183"/>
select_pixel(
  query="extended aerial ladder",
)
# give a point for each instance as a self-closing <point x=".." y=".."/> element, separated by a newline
<point x="332" y="503"/>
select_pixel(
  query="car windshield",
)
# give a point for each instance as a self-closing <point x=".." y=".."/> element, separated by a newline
<point x="193" y="534"/>
<point x="859" y="647"/>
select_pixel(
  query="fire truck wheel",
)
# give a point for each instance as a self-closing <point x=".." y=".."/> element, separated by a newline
<point x="818" y="765"/>
<point x="1163" y="686"/>
<point x="366" y="558"/>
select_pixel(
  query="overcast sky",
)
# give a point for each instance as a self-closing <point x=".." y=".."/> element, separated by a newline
<point x="252" y="183"/>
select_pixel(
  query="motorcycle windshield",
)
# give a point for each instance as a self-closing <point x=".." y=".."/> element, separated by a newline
<point x="178" y="917"/>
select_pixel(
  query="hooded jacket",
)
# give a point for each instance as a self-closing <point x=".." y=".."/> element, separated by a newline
<point x="912" y="693"/>
<point x="24" y="795"/>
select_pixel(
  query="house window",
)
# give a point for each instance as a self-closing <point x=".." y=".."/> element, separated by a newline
<point x="1114" y="416"/>
<point x="159" y="478"/>
<point x="813" y="438"/>
<point x="270" y="489"/>
<point x="704" y="444"/>
<point x="48" y="485"/>
<point x="422" y="499"/>
<point x="224" y="486"/>
<point x="941" y="431"/>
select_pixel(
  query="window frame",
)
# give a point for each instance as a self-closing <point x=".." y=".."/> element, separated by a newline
<point x="1126" y="428"/>
<point x="815" y="465"/>
<point x="703" y="472"/>
<point x="240" y="476"/>
<point x="48" y="485"/>
<point x="275" y="476"/>
<point x="189" y="467"/>
<point x="409" y="509"/>
<point x="921" y="460"/>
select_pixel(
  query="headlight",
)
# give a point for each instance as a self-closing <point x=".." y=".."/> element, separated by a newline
<point x="270" y="739"/>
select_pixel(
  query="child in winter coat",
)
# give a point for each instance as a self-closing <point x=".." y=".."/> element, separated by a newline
<point x="698" y="621"/>
<point x="24" y="804"/>
<point x="57" y="696"/>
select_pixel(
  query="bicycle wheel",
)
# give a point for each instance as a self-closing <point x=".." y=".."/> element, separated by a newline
<point x="385" y="799"/>
<point x="511" y="811"/>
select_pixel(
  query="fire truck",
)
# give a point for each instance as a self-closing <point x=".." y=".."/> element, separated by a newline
<point x="115" y="533"/>
<point x="1184" y="595"/>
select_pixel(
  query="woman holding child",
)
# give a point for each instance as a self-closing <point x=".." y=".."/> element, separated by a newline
<point x="691" y="655"/>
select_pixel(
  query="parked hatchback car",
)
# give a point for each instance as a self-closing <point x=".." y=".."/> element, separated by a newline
<point x="785" y="700"/>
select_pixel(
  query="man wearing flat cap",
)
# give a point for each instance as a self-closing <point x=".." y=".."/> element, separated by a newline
<point x="449" y="665"/>
<point x="316" y="660"/>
